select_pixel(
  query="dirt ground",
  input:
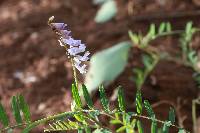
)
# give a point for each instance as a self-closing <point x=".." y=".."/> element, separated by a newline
<point x="32" y="63"/>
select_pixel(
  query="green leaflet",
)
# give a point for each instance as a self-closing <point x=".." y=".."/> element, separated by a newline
<point x="153" y="127"/>
<point x="139" y="126"/>
<point x="171" y="116"/>
<point x="139" y="102"/>
<point x="76" y="96"/>
<point x="87" y="97"/>
<point x="16" y="110"/>
<point x="24" y="107"/>
<point x="104" y="100"/>
<point x="121" y="129"/>
<point x="121" y="100"/>
<point x="3" y="116"/>
<point x="149" y="109"/>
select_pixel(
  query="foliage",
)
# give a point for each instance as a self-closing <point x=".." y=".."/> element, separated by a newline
<point x="83" y="119"/>
<point x="86" y="118"/>
<point x="103" y="69"/>
<point x="107" y="11"/>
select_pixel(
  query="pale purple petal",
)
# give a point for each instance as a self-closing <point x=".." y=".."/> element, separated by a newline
<point x="71" y="42"/>
<point x="82" y="69"/>
<point x="84" y="57"/>
<point x="65" y="33"/>
<point x="76" y="50"/>
<point x="59" y="26"/>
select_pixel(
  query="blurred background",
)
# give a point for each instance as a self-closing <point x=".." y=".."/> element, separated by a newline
<point x="33" y="64"/>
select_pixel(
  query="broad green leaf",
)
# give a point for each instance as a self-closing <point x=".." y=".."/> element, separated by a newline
<point x="139" y="102"/>
<point x="106" y="65"/>
<point x="107" y="11"/>
<point x="121" y="100"/>
<point x="139" y="126"/>
<point x="76" y="96"/>
<point x="103" y="98"/>
<point x="87" y="96"/>
<point x="171" y="116"/>
<point x="16" y="110"/>
<point x="24" y="107"/>
<point x="149" y="109"/>
<point x="3" y="116"/>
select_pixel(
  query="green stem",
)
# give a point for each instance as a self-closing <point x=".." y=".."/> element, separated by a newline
<point x="74" y="72"/>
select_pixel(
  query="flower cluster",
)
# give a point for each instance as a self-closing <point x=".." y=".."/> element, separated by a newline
<point x="75" y="49"/>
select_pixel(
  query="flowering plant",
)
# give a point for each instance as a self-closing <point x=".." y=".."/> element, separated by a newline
<point x="86" y="117"/>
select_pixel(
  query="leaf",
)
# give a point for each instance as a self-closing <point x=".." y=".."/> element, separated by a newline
<point x="87" y="97"/>
<point x="76" y="96"/>
<point x="107" y="11"/>
<point x="16" y="110"/>
<point x="171" y="115"/>
<point x="135" y="39"/>
<point x="106" y="65"/>
<point x="149" y="109"/>
<point x="24" y="107"/>
<point x="121" y="129"/>
<point x="161" y="28"/>
<point x="139" y="126"/>
<point x="168" y="27"/>
<point x="152" y="31"/>
<point x="153" y="127"/>
<point x="139" y="102"/>
<point x="116" y="121"/>
<point x="3" y="116"/>
<point x="188" y="28"/>
<point x="121" y="100"/>
<point x="104" y="100"/>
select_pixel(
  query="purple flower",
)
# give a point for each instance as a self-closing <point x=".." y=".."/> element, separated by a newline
<point x="65" y="33"/>
<point x="58" y="26"/>
<point x="75" y="47"/>
<point x="76" y="50"/>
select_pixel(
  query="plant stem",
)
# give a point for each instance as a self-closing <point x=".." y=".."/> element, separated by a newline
<point x="74" y="72"/>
